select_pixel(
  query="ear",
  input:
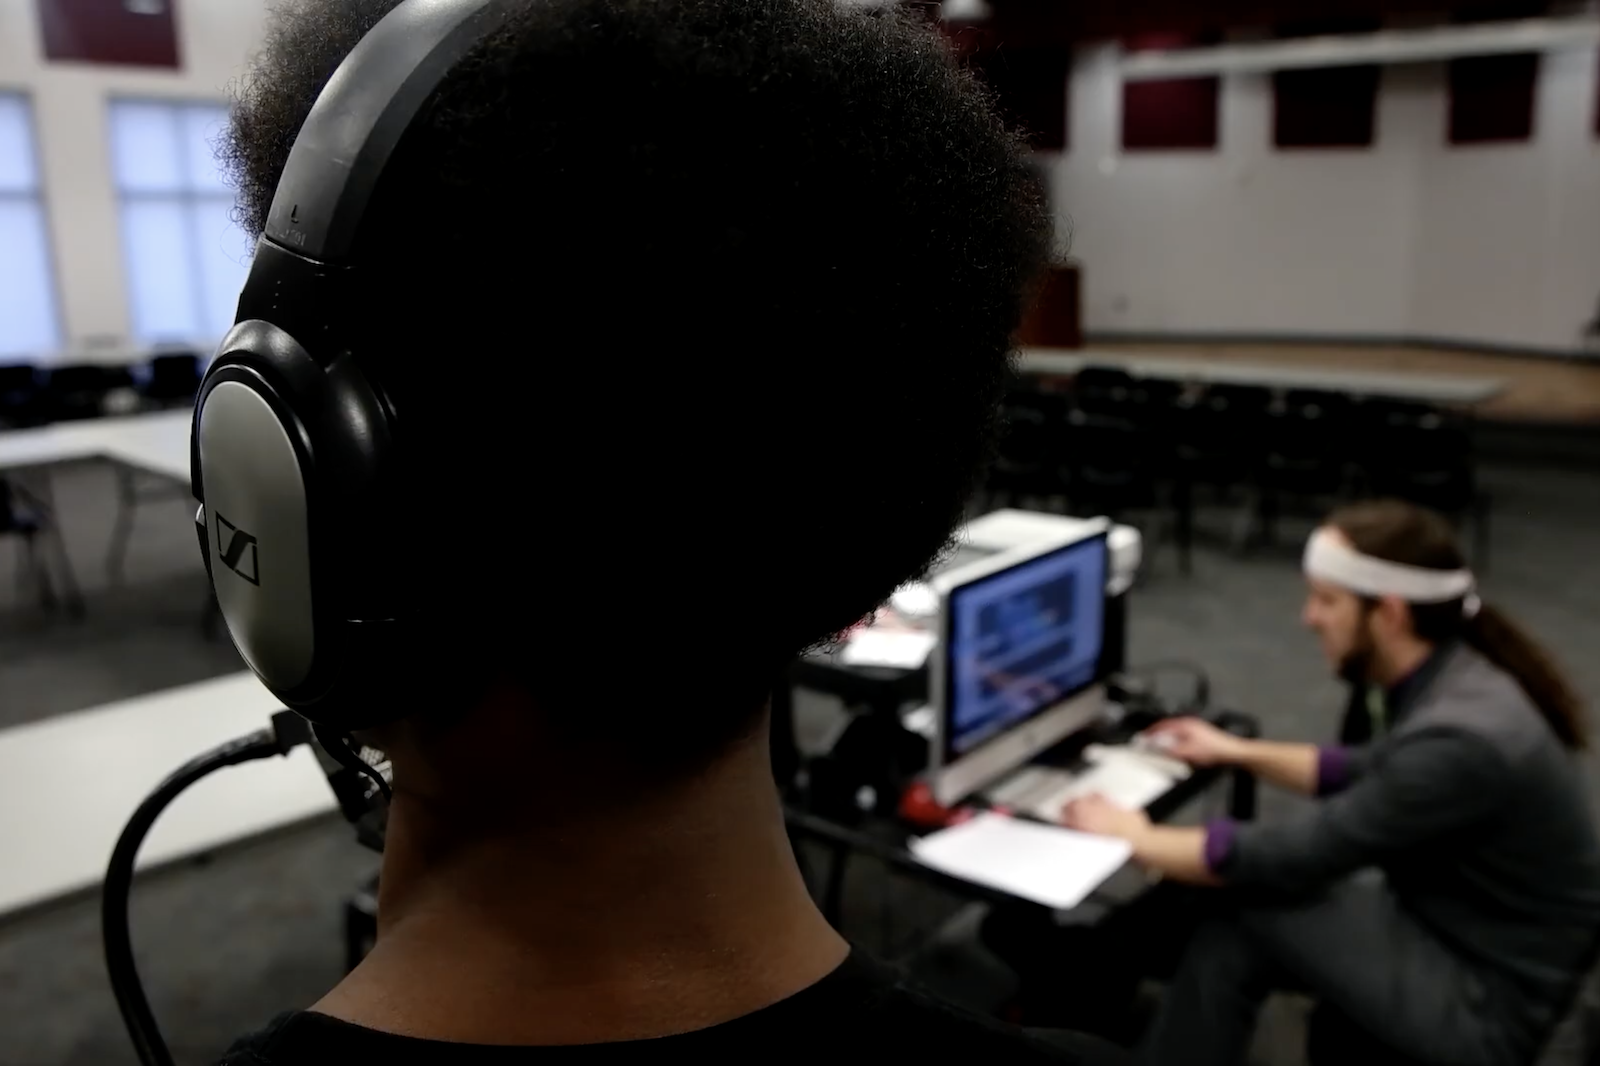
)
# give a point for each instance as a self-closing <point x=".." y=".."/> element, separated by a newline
<point x="1393" y="614"/>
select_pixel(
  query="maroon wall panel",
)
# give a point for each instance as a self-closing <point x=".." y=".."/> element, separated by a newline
<point x="131" y="32"/>
<point x="1491" y="98"/>
<point x="1332" y="108"/>
<point x="1174" y="114"/>
<point x="1031" y="87"/>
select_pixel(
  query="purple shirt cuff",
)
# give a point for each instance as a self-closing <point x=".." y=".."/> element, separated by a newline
<point x="1220" y="834"/>
<point x="1333" y="770"/>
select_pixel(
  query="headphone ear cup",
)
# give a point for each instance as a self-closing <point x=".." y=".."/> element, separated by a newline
<point x="296" y="470"/>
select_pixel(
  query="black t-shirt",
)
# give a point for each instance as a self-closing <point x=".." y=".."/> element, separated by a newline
<point x="862" y="1005"/>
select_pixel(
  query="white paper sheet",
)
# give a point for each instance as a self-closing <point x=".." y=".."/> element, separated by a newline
<point x="1055" y="867"/>
<point x="906" y="649"/>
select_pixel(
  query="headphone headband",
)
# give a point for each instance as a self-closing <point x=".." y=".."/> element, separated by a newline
<point x="294" y="447"/>
<point x="360" y="117"/>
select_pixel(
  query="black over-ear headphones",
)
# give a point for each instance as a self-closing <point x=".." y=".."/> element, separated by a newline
<point x="294" y="449"/>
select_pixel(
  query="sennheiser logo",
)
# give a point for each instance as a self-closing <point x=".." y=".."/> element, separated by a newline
<point x="237" y="549"/>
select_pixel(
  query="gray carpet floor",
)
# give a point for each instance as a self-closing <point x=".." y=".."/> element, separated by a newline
<point x="230" y="939"/>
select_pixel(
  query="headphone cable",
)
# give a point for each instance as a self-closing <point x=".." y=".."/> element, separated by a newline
<point x="288" y="731"/>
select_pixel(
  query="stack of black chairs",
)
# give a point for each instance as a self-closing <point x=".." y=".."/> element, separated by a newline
<point x="19" y="395"/>
<point x="1097" y="449"/>
<point x="80" y="390"/>
<point x="1426" y="456"/>
<point x="172" y="379"/>
<point x="1130" y="447"/>
<point x="35" y="396"/>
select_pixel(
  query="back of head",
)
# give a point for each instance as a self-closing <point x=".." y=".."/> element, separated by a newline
<point x="1404" y="533"/>
<point x="696" y="314"/>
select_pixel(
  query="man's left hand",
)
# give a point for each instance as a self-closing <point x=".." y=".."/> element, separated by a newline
<point x="1098" y="815"/>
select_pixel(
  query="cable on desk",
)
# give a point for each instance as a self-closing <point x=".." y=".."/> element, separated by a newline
<point x="287" y="732"/>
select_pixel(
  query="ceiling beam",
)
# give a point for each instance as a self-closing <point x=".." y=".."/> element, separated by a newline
<point x="1385" y="47"/>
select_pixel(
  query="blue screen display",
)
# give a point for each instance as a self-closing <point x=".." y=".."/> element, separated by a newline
<point x="1021" y="641"/>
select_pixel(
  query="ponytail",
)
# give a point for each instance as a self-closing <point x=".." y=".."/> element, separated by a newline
<point x="1505" y="644"/>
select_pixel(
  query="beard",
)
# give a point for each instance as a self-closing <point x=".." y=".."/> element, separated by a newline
<point x="1356" y="666"/>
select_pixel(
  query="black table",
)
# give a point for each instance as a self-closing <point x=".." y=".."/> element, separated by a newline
<point x="881" y="835"/>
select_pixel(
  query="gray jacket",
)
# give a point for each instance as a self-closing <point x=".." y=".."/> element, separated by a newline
<point x="1479" y="820"/>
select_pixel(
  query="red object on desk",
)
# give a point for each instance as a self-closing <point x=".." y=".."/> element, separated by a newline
<point x="920" y="809"/>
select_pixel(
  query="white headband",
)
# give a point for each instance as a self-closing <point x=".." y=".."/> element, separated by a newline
<point x="1329" y="558"/>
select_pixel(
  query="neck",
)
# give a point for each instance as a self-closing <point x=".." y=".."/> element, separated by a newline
<point x="1399" y="660"/>
<point x="571" y="928"/>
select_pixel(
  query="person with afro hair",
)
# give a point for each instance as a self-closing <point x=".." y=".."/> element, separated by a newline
<point x="651" y="284"/>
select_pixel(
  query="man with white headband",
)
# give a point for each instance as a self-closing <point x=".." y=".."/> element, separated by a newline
<point x="1443" y="897"/>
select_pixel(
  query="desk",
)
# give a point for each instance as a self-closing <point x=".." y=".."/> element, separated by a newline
<point x="1446" y="389"/>
<point x="69" y="783"/>
<point x="153" y="444"/>
<point x="886" y="839"/>
<point x="877" y="736"/>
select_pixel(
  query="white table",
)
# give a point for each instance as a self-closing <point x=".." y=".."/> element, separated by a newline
<point x="1451" y="389"/>
<point x="157" y="443"/>
<point x="68" y="785"/>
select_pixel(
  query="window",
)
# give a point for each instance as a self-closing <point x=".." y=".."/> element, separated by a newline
<point x="186" y="259"/>
<point x="28" y="322"/>
<point x="1175" y="113"/>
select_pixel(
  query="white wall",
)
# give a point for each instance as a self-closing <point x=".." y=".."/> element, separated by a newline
<point x="1493" y="244"/>
<point x="69" y="109"/>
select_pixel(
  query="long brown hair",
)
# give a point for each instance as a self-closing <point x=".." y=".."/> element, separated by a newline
<point x="1405" y="533"/>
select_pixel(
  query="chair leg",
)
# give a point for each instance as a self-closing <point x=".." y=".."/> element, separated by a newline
<point x="833" y="890"/>
<point x="1247" y="520"/>
<point x="21" y="572"/>
<point x="1480" y="534"/>
<point x="38" y="572"/>
<point x="69" y="581"/>
<point x="1270" y="505"/>
<point x="122" y="532"/>
<point x="1185" y="527"/>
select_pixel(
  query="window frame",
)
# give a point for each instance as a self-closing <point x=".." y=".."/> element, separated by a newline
<point x="190" y="201"/>
<point x="39" y="196"/>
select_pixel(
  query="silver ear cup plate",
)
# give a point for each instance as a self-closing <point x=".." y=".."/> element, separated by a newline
<point x="257" y="533"/>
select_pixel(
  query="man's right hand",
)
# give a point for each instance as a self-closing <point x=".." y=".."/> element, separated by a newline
<point x="1196" y="742"/>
